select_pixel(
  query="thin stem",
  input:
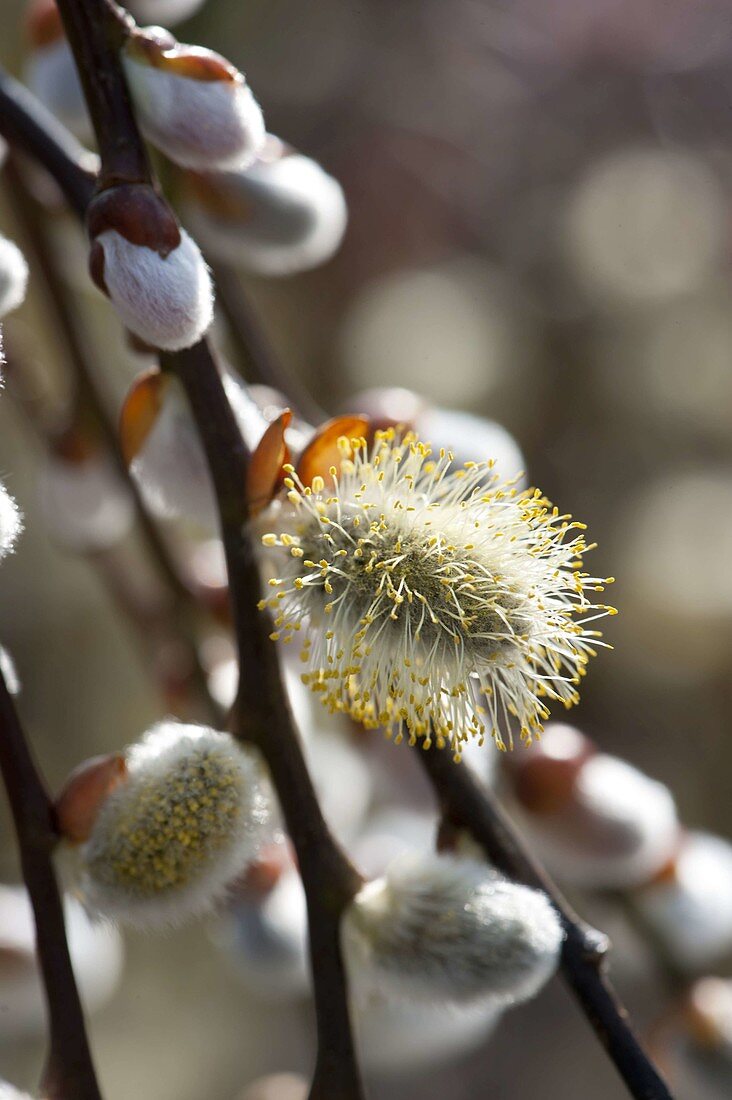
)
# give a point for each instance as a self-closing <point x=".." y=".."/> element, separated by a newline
<point x="69" y="1072"/>
<point x="26" y="124"/>
<point x="255" y="358"/>
<point x="96" y="32"/>
<point x="262" y="717"/>
<point x="467" y="805"/>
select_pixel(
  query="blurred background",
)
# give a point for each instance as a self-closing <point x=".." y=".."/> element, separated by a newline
<point x="539" y="195"/>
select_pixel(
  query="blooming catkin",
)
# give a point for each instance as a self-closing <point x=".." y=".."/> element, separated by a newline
<point x="188" y="819"/>
<point x="11" y="523"/>
<point x="421" y="580"/>
<point x="453" y="930"/>
<point x="13" y="276"/>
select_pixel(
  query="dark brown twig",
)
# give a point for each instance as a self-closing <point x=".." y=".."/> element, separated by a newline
<point x="69" y="1072"/>
<point x="27" y="125"/>
<point x="263" y="718"/>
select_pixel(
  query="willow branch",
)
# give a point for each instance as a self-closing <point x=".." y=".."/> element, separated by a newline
<point x="27" y="125"/>
<point x="465" y="804"/>
<point x="261" y="710"/>
<point x="69" y="1072"/>
<point x="262" y="717"/>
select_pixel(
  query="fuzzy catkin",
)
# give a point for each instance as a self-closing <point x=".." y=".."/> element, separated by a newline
<point x="166" y="301"/>
<point x="437" y="928"/>
<point x="188" y="819"/>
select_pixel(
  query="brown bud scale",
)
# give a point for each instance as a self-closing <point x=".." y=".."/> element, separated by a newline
<point x="155" y="47"/>
<point x="138" y="214"/>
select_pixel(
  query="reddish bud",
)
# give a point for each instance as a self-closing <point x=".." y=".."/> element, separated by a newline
<point x="138" y="214"/>
<point x="544" y="776"/>
<point x="84" y="793"/>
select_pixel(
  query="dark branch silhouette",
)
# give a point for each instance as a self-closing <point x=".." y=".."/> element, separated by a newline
<point x="69" y="1072"/>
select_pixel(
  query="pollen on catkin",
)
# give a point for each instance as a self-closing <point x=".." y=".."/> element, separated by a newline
<point x="439" y="928"/>
<point x="188" y="819"/>
<point x="442" y="602"/>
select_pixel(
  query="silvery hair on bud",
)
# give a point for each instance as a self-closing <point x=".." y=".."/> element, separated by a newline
<point x="163" y="12"/>
<point x="167" y="302"/>
<point x="13" y="276"/>
<point x="188" y="819"/>
<point x="440" y="928"/>
<point x="293" y="216"/>
<point x="209" y="125"/>
<point x="11" y="522"/>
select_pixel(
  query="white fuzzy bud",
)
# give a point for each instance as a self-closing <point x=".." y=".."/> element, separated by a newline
<point x="282" y="215"/>
<point x="86" y="505"/>
<point x="192" y="104"/>
<point x="400" y="1037"/>
<point x="167" y="841"/>
<point x="9" y="671"/>
<point x="472" y="437"/>
<point x="11" y="522"/>
<point x="267" y="939"/>
<point x="691" y="906"/>
<point x="163" y="12"/>
<point x="165" y="300"/>
<point x="97" y="956"/>
<point x="277" y="1086"/>
<point x="13" y="276"/>
<point x="467" y="436"/>
<point x="698" y="1057"/>
<point x="595" y="820"/>
<point x="9" y="1092"/>
<point x="436" y="928"/>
